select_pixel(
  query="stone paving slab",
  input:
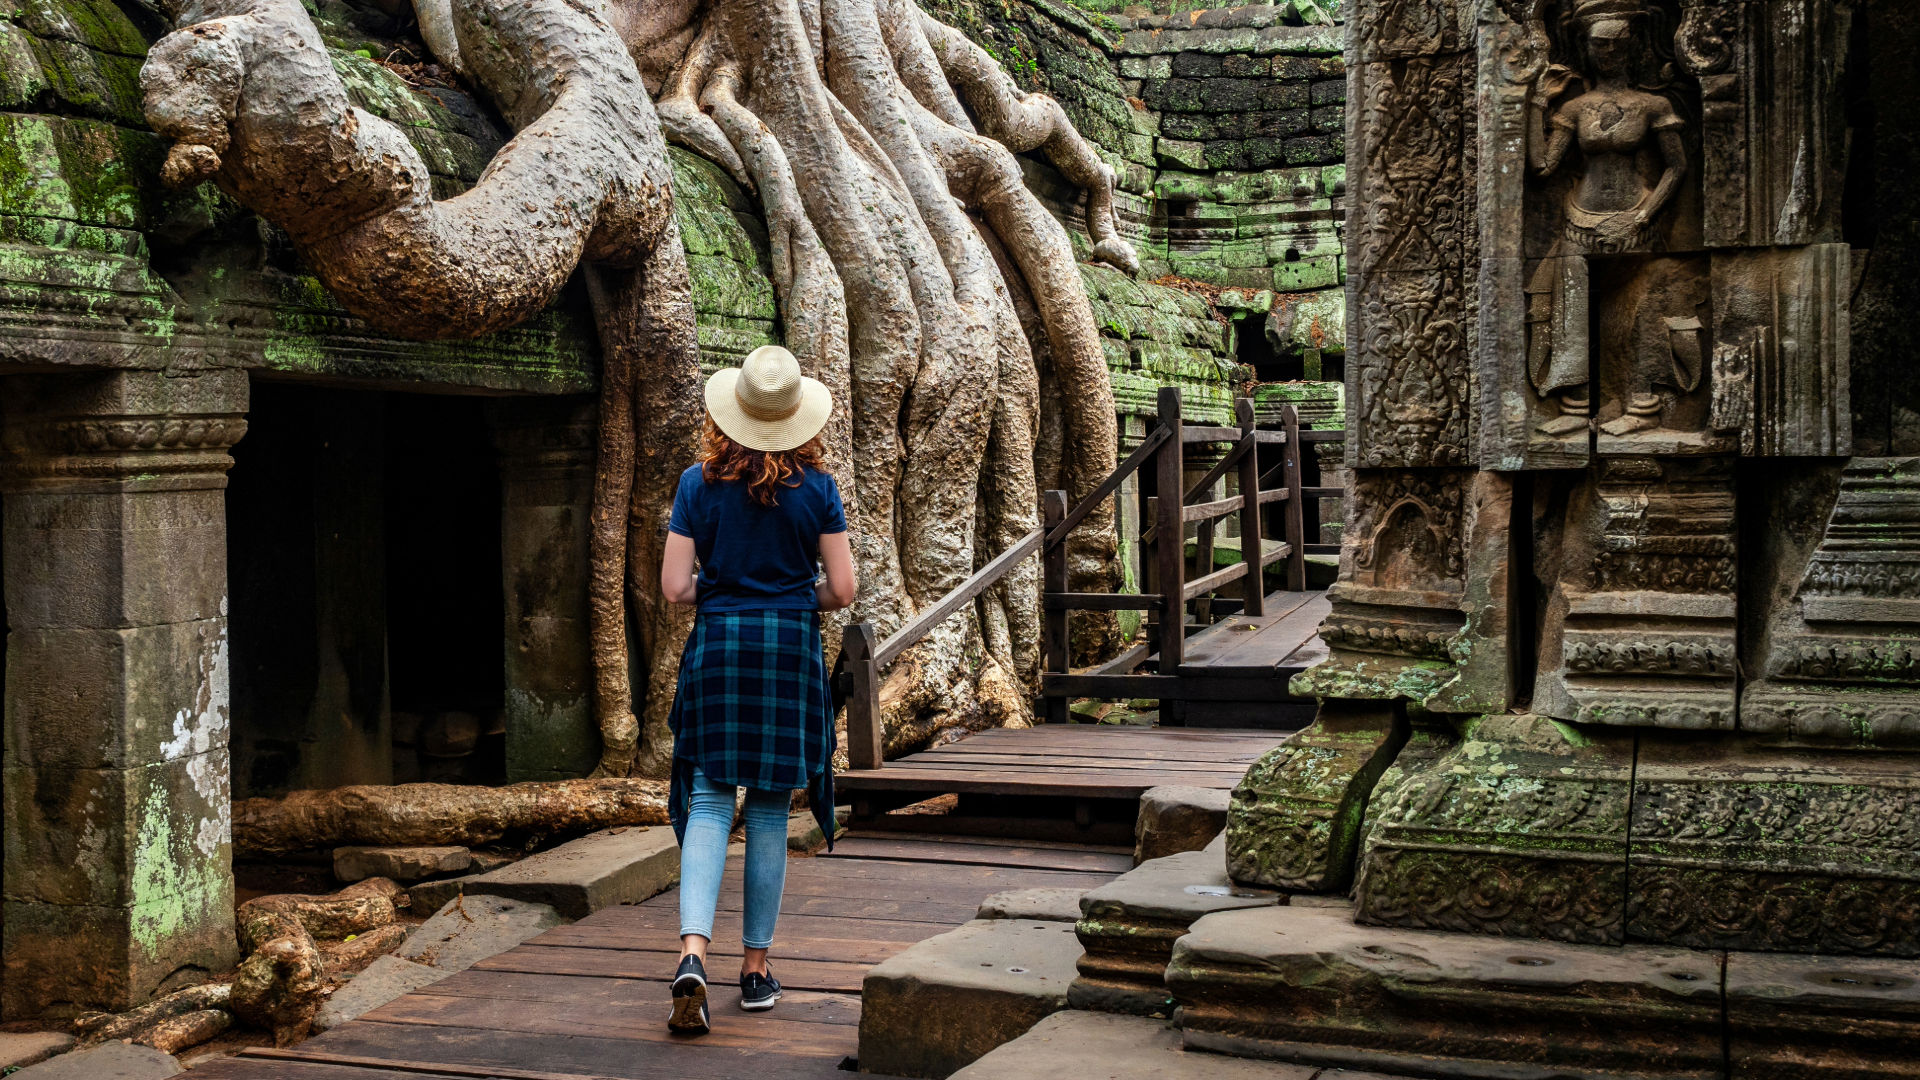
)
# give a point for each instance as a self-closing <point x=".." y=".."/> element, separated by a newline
<point x="1307" y="985"/>
<point x="1045" y="904"/>
<point x="386" y="978"/>
<point x="613" y="866"/>
<point x="473" y="928"/>
<point x="1090" y="1044"/>
<point x="31" y="1047"/>
<point x="107" y="1061"/>
<point x="939" y="1005"/>
<point x="1834" y="1017"/>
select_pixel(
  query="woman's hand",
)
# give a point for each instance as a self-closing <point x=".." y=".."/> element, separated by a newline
<point x="678" y="580"/>
<point x="836" y="589"/>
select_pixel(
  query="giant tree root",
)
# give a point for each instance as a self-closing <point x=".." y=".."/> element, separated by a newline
<point x="423" y="815"/>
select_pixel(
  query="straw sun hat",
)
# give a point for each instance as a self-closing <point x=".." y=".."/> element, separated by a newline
<point x="766" y="404"/>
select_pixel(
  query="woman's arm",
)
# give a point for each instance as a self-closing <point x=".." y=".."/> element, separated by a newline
<point x="837" y="588"/>
<point x="677" y="575"/>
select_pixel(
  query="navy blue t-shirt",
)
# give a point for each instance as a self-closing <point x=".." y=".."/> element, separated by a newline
<point x="754" y="557"/>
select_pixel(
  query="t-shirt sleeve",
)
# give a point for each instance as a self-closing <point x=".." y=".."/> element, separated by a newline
<point x="682" y="520"/>
<point x="833" y="516"/>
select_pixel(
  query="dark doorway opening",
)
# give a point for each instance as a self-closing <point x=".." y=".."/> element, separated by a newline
<point x="445" y="600"/>
<point x="1252" y="348"/>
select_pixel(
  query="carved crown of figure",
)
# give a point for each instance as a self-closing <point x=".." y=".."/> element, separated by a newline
<point x="1592" y="13"/>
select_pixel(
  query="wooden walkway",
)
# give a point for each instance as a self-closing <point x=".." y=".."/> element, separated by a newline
<point x="590" y="1000"/>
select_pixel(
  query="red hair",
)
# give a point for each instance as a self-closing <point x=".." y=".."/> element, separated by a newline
<point x="722" y="460"/>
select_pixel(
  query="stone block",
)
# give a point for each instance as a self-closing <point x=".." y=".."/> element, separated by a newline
<point x="1519" y="828"/>
<point x="1178" y="152"/>
<point x="803" y="832"/>
<point x="473" y="928"/>
<point x="1739" y="845"/>
<point x="1128" y="927"/>
<point x="113" y="958"/>
<point x="17" y="1051"/>
<point x="1307" y="986"/>
<point x="114" y="559"/>
<point x="434" y="895"/>
<point x="1177" y="819"/>
<point x="107" y="1061"/>
<point x="387" y="978"/>
<point x="622" y="865"/>
<point x="398" y="863"/>
<point x="1046" y="904"/>
<point x="1294" y="820"/>
<point x="1090" y="1044"/>
<point x="1830" y="1017"/>
<point x="942" y="1004"/>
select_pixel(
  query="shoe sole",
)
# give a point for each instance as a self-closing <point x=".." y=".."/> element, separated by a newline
<point x="689" y="1016"/>
<point x="757" y="1006"/>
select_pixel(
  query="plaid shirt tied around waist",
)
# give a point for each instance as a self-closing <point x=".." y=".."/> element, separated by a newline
<point x="753" y="708"/>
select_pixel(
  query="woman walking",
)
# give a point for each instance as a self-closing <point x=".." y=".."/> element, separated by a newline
<point x="752" y="708"/>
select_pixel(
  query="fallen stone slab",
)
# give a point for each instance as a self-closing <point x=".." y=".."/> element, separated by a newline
<point x="1047" y="904"/>
<point x="1174" y="819"/>
<point x="471" y="928"/>
<point x="803" y="832"/>
<point x="939" y="1005"/>
<point x="434" y="895"/>
<point x="622" y="865"/>
<point x="1309" y="987"/>
<point x="31" y="1047"/>
<point x="1128" y="927"/>
<point x="398" y="863"/>
<point x="383" y="980"/>
<point x="1834" y="1017"/>
<point x="1090" y="1044"/>
<point x="107" y="1061"/>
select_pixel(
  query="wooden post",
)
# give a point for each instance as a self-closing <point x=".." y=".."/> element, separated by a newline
<point x="1170" y="547"/>
<point x="1254" y="586"/>
<point x="1293" y="507"/>
<point x="863" y="697"/>
<point x="1054" y="647"/>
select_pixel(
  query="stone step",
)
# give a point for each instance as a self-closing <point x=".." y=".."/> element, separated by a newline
<point x="107" y="1061"/>
<point x="939" y="1005"/>
<point x="1175" y="819"/>
<point x="1046" y="903"/>
<point x="1307" y="986"/>
<point x="613" y="866"/>
<point x="1076" y="1044"/>
<point x="1128" y="927"/>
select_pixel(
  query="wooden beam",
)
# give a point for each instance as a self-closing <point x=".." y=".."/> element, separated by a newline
<point x="1275" y="495"/>
<point x="1054" y="647"/>
<point x="1124" y="663"/>
<point x="1322" y="492"/>
<point x="982" y="580"/>
<point x="1200" y="433"/>
<point x="1252" y="590"/>
<point x="1214" y="474"/>
<point x="1337" y="435"/>
<point x="1100" y="601"/>
<point x="1296" y="528"/>
<point x="1169" y="687"/>
<point x="1280" y="551"/>
<point x="1213" y="581"/>
<point x="863" y="697"/>
<point x="1207" y="511"/>
<point x="1170" y="547"/>
<point x="1110" y="485"/>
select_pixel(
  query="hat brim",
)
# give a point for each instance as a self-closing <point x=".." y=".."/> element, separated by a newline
<point x="816" y="406"/>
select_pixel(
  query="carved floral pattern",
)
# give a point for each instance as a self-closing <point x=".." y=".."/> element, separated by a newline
<point x="1651" y="658"/>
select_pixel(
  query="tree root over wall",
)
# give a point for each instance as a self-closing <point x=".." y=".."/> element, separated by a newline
<point x="917" y="277"/>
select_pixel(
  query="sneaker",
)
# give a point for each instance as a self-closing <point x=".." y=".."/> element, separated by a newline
<point x="758" y="991"/>
<point x="689" y="1016"/>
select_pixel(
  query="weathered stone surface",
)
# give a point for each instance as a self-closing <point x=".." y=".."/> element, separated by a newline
<point x="108" y="1061"/>
<point x="940" y="1005"/>
<point x="1518" y="827"/>
<point x="1738" y="845"/>
<point x="803" y="832"/>
<point x="398" y="863"/>
<point x="1078" y="1043"/>
<point x="1295" y="818"/>
<point x="387" y="978"/>
<point x="31" y="1047"/>
<point x="434" y="895"/>
<point x="613" y="866"/>
<point x="472" y="928"/>
<point x="1176" y="819"/>
<point x="1306" y="985"/>
<point x="1044" y="904"/>
<point x="1831" y="1017"/>
<point x="1128" y="927"/>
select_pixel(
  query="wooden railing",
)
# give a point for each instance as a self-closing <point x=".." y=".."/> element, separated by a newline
<point x="863" y="656"/>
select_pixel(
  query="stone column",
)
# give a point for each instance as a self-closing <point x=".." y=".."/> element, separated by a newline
<point x="118" y="878"/>
<point x="546" y="478"/>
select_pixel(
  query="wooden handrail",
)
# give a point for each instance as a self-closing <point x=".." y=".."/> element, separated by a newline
<point x="1110" y="485"/>
<point x="982" y="580"/>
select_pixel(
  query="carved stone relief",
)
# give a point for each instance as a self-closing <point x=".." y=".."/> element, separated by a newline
<point x="1781" y="349"/>
<point x="1840" y="663"/>
<point x="1640" y="627"/>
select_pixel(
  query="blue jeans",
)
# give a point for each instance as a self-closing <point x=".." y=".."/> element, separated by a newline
<point x="704" y="858"/>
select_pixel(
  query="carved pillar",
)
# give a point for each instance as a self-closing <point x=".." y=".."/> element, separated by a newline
<point x="546" y="478"/>
<point x="118" y="849"/>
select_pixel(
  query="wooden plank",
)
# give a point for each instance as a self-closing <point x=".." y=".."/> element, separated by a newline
<point x="1290" y="514"/>
<point x="1207" y="511"/>
<point x="1322" y="492"/>
<point x="1111" y="484"/>
<point x="663" y="925"/>
<point x="1336" y="435"/>
<point x="1170" y="554"/>
<point x="1054" y="646"/>
<point x="1268" y="649"/>
<point x="250" y="1067"/>
<point x="981" y="580"/>
<point x="1043" y="845"/>
<point x="478" y="1048"/>
<point x="1232" y="458"/>
<point x="1105" y="785"/>
<point x="1253" y="590"/>
<point x="1226" y="634"/>
<point x="1212" y="581"/>
<point x="1123" y="663"/>
<point x="534" y="989"/>
<point x="1049" y="858"/>
<point x="575" y="964"/>
<point x="857" y="647"/>
<point x="1202" y="433"/>
<point x="1172" y="687"/>
<point x="1274" y="495"/>
<point x="1092" y="601"/>
<point x="1089" y="761"/>
<point x="1038" y="757"/>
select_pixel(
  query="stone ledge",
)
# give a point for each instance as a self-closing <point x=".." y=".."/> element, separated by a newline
<point x="1837" y="1018"/>
<point x="1089" y="1044"/>
<point x="1306" y="985"/>
<point x="1176" y="819"/>
<point x="942" y="1004"/>
<point x="614" y="866"/>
